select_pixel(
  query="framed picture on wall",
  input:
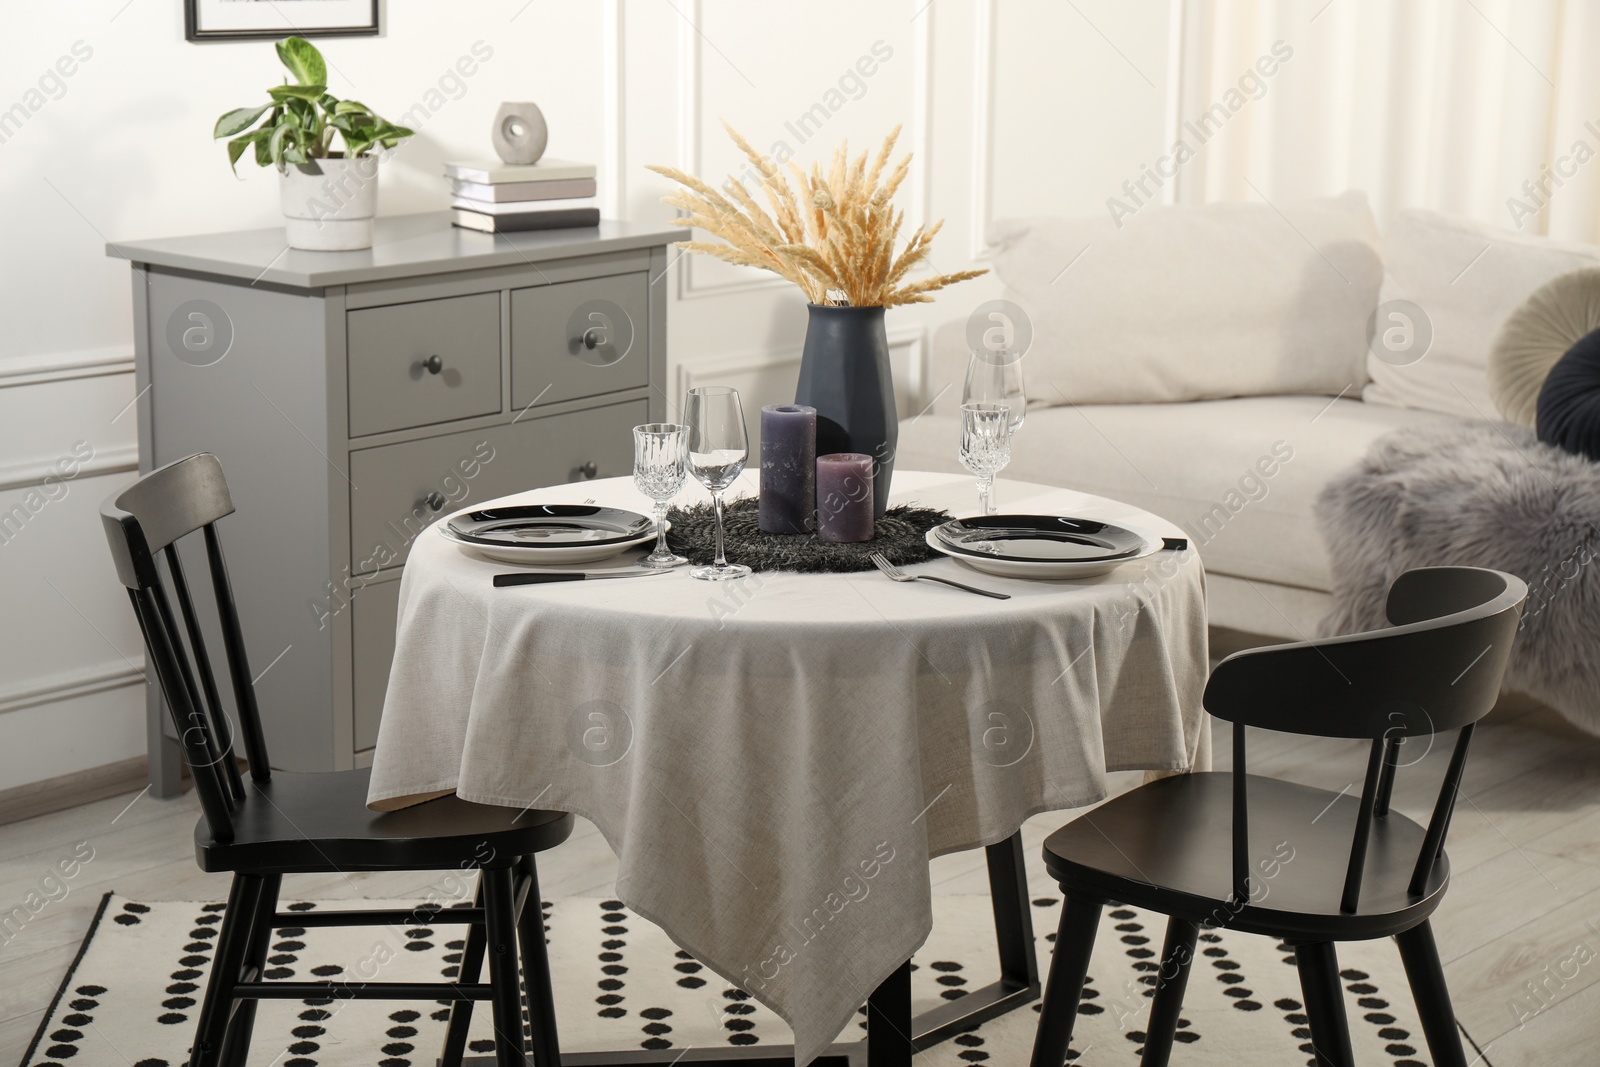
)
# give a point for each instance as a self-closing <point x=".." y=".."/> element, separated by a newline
<point x="210" y="20"/>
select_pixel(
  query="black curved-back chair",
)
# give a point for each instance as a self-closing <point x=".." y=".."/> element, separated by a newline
<point x="284" y="823"/>
<point x="1243" y="852"/>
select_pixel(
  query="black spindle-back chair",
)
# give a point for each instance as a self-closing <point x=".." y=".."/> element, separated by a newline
<point x="291" y="823"/>
<point x="1305" y="865"/>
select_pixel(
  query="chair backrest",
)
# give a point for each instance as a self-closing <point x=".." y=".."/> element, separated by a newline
<point x="143" y="524"/>
<point x="1438" y="668"/>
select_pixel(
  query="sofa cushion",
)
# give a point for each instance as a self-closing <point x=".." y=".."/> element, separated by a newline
<point x="1190" y="303"/>
<point x="1558" y="315"/>
<point x="1467" y="278"/>
<point x="1239" y="475"/>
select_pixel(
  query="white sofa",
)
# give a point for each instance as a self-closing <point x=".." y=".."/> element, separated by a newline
<point x="1212" y="365"/>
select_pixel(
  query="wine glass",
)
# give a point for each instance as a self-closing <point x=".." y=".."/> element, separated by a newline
<point x="996" y="378"/>
<point x="718" y="449"/>
<point x="985" y="446"/>
<point x="660" y="462"/>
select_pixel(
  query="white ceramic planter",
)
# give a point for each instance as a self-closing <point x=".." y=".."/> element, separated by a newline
<point x="330" y="205"/>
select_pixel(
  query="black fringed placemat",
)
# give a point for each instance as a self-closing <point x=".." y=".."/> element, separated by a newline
<point x="898" y="535"/>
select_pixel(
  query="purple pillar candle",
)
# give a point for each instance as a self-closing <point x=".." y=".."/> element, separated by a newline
<point x="844" y="497"/>
<point x="788" y="468"/>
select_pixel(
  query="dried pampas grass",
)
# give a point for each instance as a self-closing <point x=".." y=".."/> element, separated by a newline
<point x="832" y="233"/>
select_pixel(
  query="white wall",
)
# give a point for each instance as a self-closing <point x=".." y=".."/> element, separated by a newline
<point x="1013" y="107"/>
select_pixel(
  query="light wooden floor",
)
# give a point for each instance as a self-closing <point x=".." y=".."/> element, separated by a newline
<point x="1525" y="846"/>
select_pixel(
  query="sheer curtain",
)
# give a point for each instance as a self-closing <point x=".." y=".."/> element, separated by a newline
<point x="1484" y="108"/>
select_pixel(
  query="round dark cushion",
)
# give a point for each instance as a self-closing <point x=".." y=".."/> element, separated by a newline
<point x="1569" y="401"/>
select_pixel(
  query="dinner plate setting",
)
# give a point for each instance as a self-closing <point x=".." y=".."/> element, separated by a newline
<point x="1040" y="546"/>
<point x="537" y="534"/>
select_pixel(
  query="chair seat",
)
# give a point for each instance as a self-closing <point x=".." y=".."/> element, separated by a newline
<point x="1167" y="846"/>
<point x="304" y="823"/>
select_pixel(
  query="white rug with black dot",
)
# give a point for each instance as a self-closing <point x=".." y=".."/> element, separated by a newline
<point x="131" y="997"/>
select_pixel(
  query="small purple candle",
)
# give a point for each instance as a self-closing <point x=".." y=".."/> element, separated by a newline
<point x="844" y="497"/>
<point x="788" y="468"/>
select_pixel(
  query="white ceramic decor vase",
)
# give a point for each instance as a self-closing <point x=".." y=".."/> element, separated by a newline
<point x="519" y="133"/>
<point x="329" y="205"/>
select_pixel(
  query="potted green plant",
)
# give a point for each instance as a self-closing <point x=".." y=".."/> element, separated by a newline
<point x="329" y="197"/>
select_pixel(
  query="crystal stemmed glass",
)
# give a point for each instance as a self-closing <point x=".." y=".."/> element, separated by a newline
<point x="718" y="449"/>
<point x="985" y="446"/>
<point x="660" y="463"/>
<point x="996" y="378"/>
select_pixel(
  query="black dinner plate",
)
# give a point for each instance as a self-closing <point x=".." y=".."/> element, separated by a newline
<point x="550" y="525"/>
<point x="1039" y="538"/>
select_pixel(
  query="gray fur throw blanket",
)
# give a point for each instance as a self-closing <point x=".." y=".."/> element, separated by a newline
<point x="1478" y="494"/>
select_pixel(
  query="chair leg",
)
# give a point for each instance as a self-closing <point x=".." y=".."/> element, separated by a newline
<point x="1318" y="964"/>
<point x="455" y="1036"/>
<point x="500" y="913"/>
<point x="1170" y="983"/>
<point x="236" y="1042"/>
<point x="1069" y="968"/>
<point x="536" y="971"/>
<point x="1426" y="975"/>
<point x="227" y="962"/>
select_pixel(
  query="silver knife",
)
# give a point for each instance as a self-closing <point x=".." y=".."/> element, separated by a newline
<point x="541" y="577"/>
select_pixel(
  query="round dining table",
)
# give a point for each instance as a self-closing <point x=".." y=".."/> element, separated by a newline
<point x="776" y="760"/>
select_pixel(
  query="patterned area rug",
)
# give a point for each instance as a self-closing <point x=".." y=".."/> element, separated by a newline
<point x="132" y="996"/>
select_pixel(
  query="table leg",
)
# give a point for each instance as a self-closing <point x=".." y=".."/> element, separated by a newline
<point x="889" y="1041"/>
<point x="889" y="1018"/>
<point x="1013" y="915"/>
<point x="1019" y="965"/>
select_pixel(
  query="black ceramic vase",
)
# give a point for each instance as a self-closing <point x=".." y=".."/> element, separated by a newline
<point x="844" y="374"/>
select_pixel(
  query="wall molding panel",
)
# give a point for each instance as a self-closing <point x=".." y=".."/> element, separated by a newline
<point x="908" y="348"/>
<point x="69" y="685"/>
<point x="692" y="375"/>
<point x="922" y="114"/>
<point x="613" y="85"/>
<point x="690" y="70"/>
<point x="64" y="367"/>
<point x="1172" y="125"/>
<point x="982" y="145"/>
<point x="33" y="472"/>
<point x="915" y="138"/>
<point x="914" y="343"/>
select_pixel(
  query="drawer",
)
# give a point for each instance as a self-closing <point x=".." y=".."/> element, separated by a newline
<point x="374" y="611"/>
<point x="579" y="339"/>
<point x="423" y="363"/>
<point x="404" y="487"/>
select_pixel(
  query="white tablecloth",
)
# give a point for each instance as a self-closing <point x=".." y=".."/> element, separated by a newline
<point x="776" y="760"/>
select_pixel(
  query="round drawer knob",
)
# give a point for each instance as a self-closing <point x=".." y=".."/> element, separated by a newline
<point x="593" y="338"/>
<point x="434" y="364"/>
<point x="434" y="501"/>
<point x="589" y="470"/>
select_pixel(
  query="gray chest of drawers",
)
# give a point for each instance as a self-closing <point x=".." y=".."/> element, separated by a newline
<point x="352" y="397"/>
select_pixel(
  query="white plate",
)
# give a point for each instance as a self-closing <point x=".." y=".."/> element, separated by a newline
<point x="537" y="555"/>
<point x="1043" y="569"/>
<point x="1038" y="538"/>
<point x="548" y="525"/>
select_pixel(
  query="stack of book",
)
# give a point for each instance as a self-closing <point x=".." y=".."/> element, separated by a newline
<point x="498" y="197"/>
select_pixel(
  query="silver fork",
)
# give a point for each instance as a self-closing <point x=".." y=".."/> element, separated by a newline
<point x="895" y="574"/>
